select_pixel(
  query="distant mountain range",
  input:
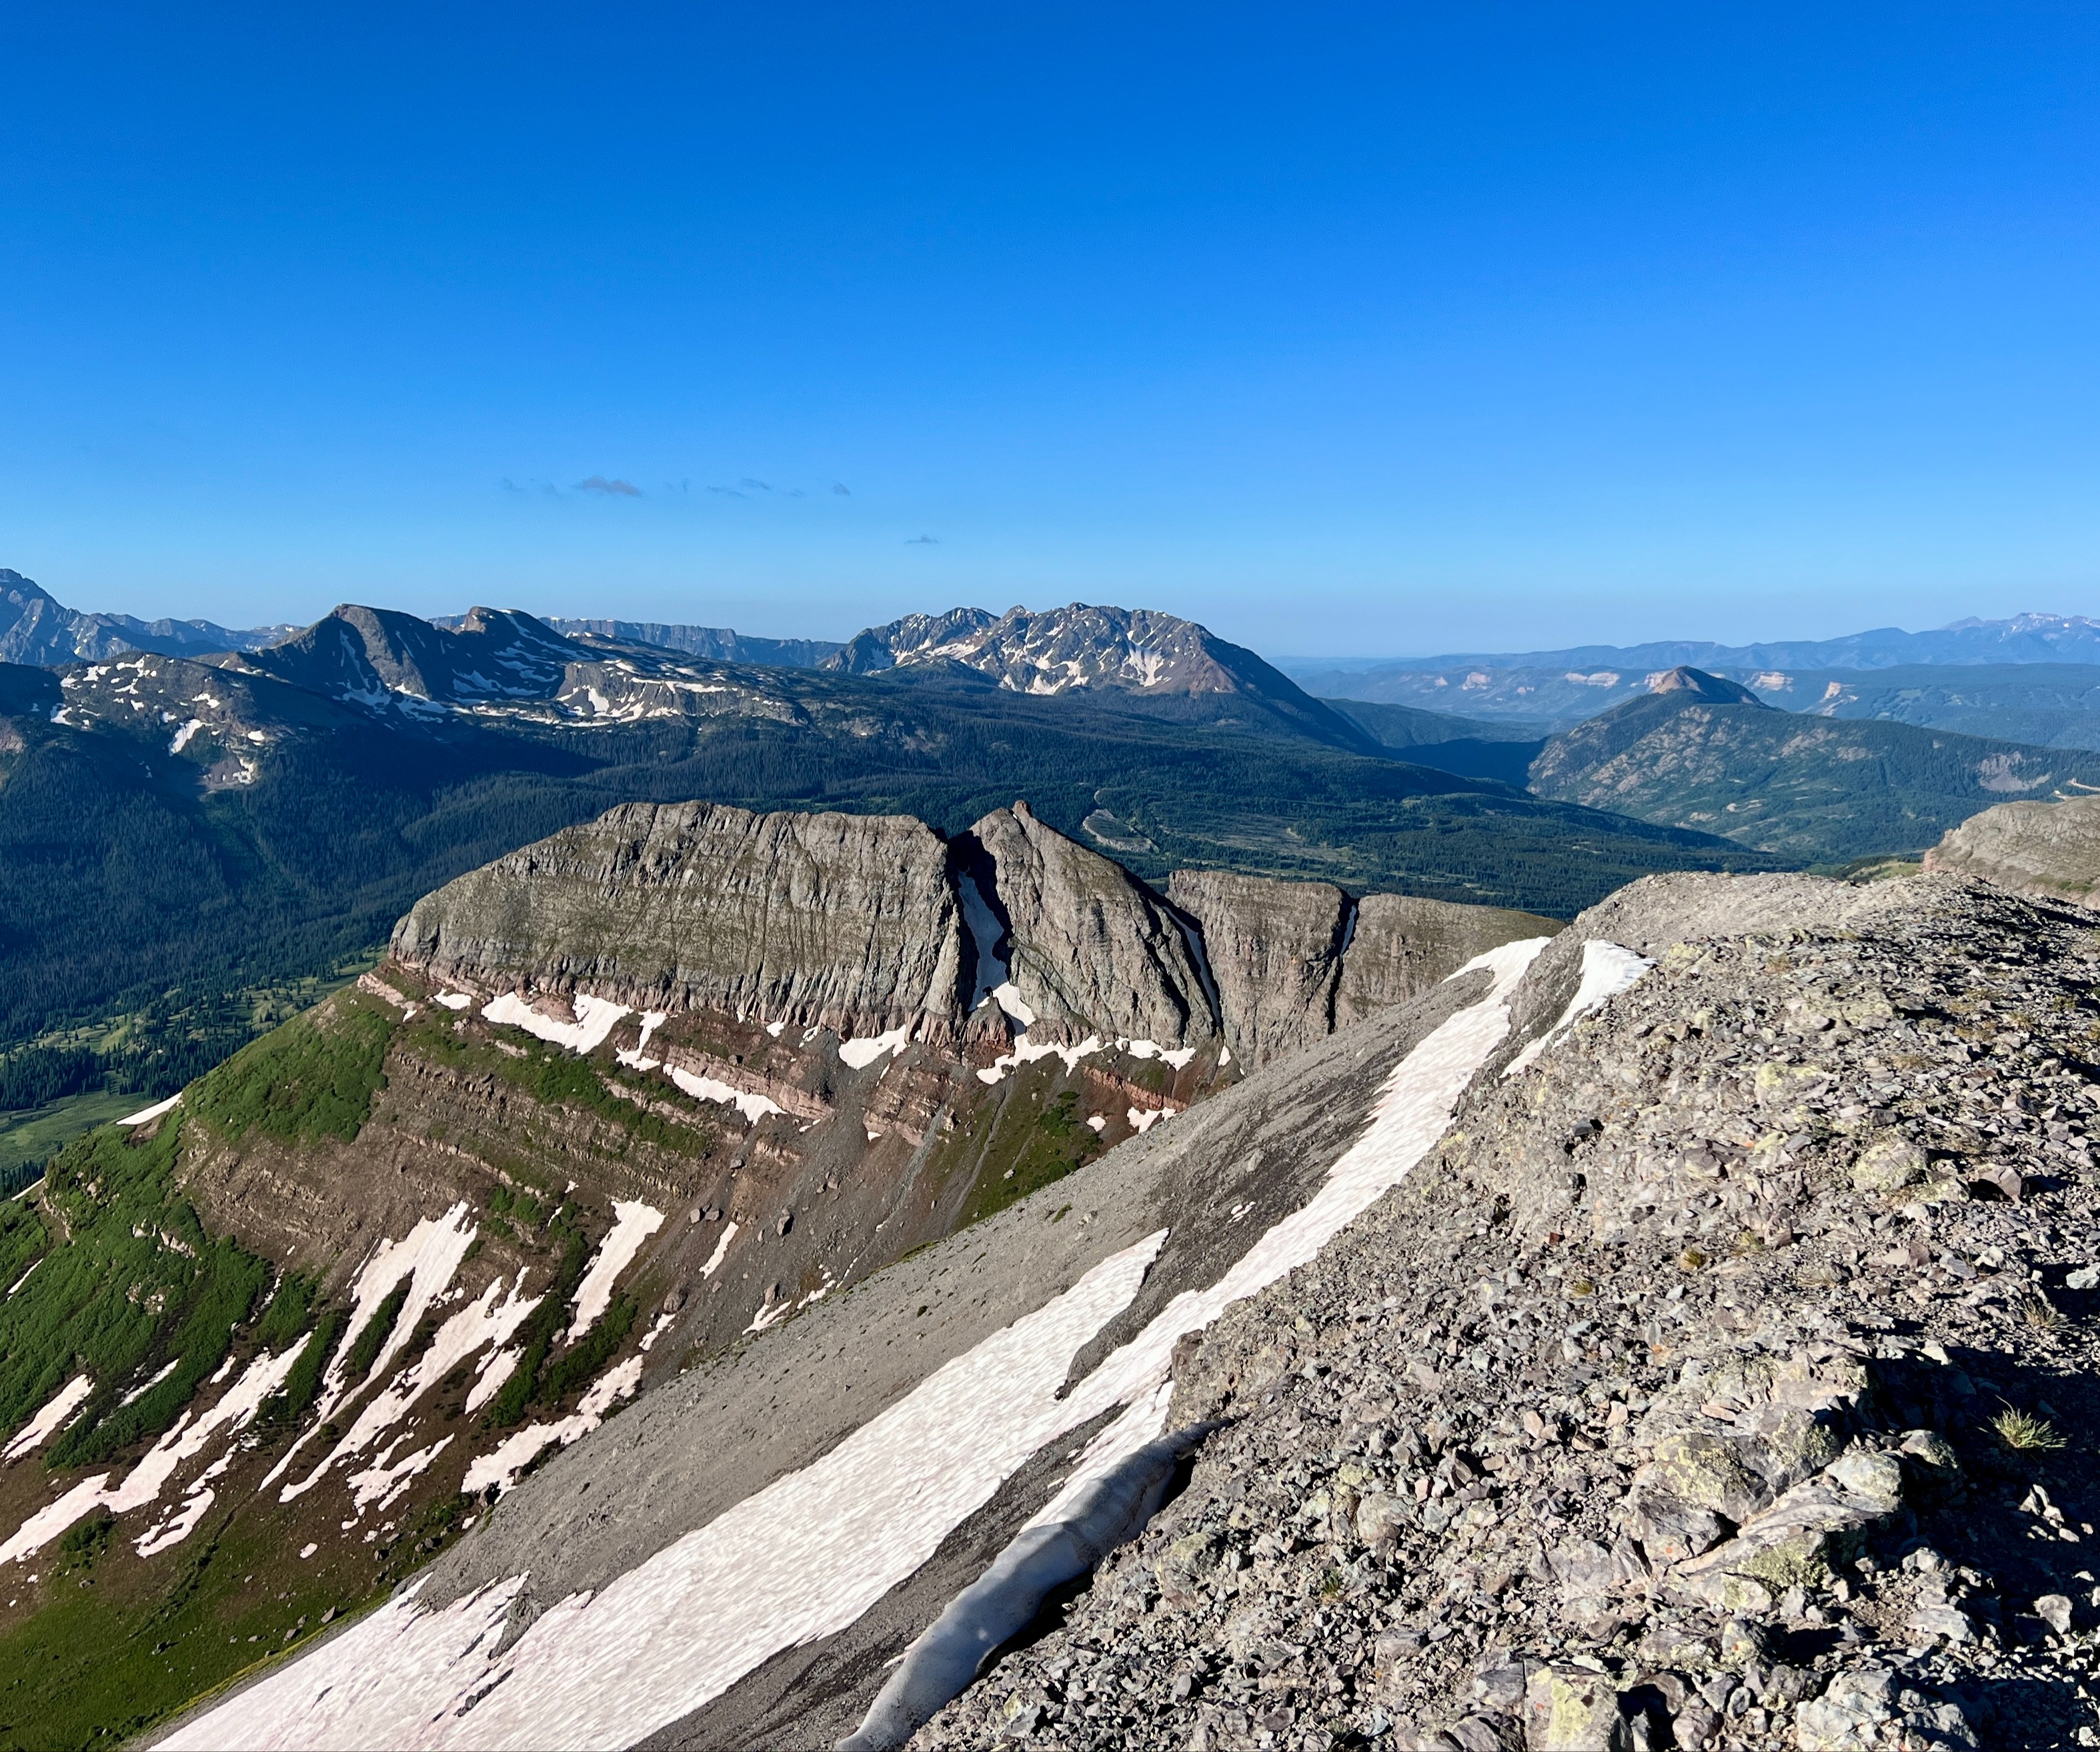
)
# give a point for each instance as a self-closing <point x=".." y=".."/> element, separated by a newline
<point x="35" y="627"/>
<point x="2024" y="638"/>
<point x="1697" y="750"/>
<point x="183" y="842"/>
<point x="717" y="644"/>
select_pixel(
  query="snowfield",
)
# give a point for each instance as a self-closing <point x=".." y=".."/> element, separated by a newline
<point x="806" y="1555"/>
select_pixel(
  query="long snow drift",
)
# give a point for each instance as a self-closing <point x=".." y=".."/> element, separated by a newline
<point x="805" y="1557"/>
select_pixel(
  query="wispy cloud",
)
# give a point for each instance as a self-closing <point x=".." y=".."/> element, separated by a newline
<point x="615" y="488"/>
<point x="729" y="492"/>
<point x="759" y="486"/>
<point x="841" y="489"/>
<point x="925" y="541"/>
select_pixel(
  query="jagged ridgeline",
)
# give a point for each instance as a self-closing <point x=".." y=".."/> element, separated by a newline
<point x="611" y="1106"/>
<point x="185" y="843"/>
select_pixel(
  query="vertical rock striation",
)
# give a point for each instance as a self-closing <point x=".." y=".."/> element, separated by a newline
<point x="1275" y="951"/>
<point x="846" y="921"/>
<point x="1402" y="945"/>
<point x="1091" y="949"/>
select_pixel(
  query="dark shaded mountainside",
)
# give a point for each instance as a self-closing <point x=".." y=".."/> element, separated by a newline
<point x="1678" y="1333"/>
<point x="184" y="846"/>
<point x="614" y="1105"/>
<point x="1705" y="753"/>
<point x="1699" y="751"/>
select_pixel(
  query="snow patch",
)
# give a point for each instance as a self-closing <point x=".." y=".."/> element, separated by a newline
<point x="1607" y="971"/>
<point x="381" y="1484"/>
<point x="502" y="1466"/>
<point x="182" y="736"/>
<point x="754" y="1108"/>
<point x="154" y="1112"/>
<point x="454" y="1001"/>
<point x="1179" y="1057"/>
<point x="633" y="1056"/>
<point x="632" y="1224"/>
<point x="496" y="1368"/>
<point x="57" y="1412"/>
<point x="595" y="1019"/>
<point x="173" y="1363"/>
<point x="1009" y="998"/>
<point x="859" y="1054"/>
<point x="720" y="1251"/>
<point x="1142" y="1119"/>
<point x="1026" y="1051"/>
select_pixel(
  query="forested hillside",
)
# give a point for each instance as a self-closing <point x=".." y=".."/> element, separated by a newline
<point x="161" y="904"/>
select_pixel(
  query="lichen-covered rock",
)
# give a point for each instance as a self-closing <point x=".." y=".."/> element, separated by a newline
<point x="1802" y="1538"/>
<point x="1571" y="1709"/>
<point x="1888" y="1163"/>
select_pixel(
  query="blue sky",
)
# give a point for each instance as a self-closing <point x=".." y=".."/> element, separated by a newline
<point x="1350" y="330"/>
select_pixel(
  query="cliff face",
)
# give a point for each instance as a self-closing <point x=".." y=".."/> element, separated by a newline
<point x="1091" y="950"/>
<point x="841" y="921"/>
<point x="1275" y="951"/>
<point x="862" y="925"/>
<point x="2051" y="849"/>
<point x="1402" y="945"/>
<point x="1293" y="961"/>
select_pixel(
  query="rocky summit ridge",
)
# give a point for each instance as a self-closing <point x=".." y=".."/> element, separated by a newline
<point x="875" y="926"/>
<point x="1673" y="1333"/>
<point x="1721" y="1379"/>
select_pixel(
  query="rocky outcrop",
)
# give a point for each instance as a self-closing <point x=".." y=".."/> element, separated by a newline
<point x="1638" y="1416"/>
<point x="2051" y="849"/>
<point x="1090" y="949"/>
<point x="845" y="921"/>
<point x="1698" y="685"/>
<point x="1275" y="952"/>
<point x="1401" y="945"/>
<point x="865" y="925"/>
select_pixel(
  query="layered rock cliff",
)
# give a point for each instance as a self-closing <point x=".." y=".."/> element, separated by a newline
<point x="866" y="925"/>
<point x="848" y="922"/>
<point x="2042" y="848"/>
<point x="1090" y="949"/>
